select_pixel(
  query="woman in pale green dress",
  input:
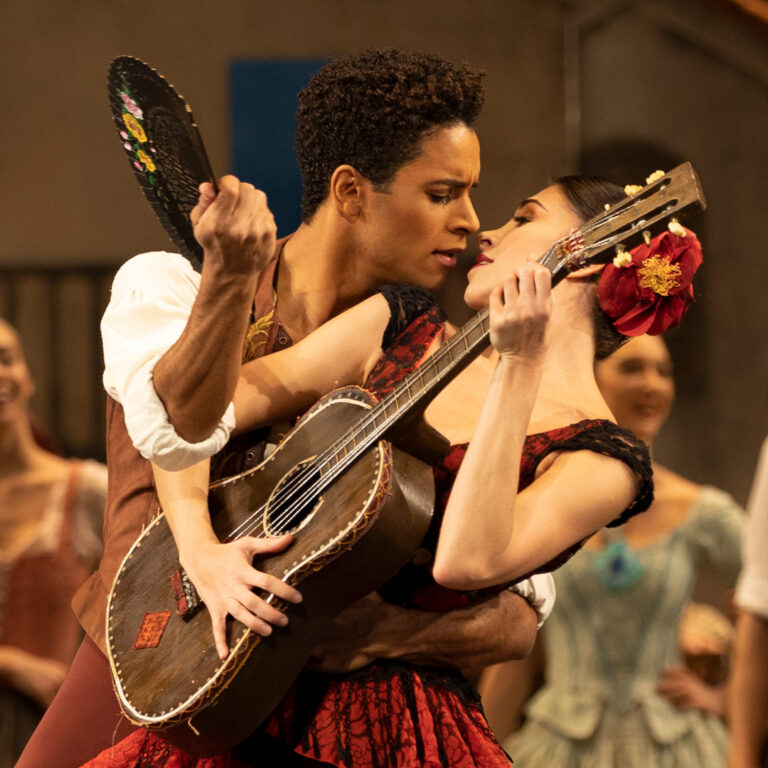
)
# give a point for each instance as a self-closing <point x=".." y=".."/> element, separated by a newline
<point x="615" y="692"/>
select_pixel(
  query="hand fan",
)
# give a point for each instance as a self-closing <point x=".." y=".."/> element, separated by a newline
<point x="162" y="141"/>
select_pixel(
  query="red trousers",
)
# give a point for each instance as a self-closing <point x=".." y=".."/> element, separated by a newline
<point x="84" y="718"/>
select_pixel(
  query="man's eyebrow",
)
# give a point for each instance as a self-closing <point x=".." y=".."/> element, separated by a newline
<point x="532" y="200"/>
<point x="452" y="183"/>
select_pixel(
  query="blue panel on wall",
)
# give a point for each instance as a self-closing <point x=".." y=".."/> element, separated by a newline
<point x="263" y="106"/>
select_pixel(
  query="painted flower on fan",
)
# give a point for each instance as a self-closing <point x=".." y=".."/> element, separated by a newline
<point x="134" y="127"/>
<point x="132" y="106"/>
<point x="146" y="160"/>
<point x="651" y="293"/>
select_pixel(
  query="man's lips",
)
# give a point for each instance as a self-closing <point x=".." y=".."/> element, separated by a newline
<point x="448" y="257"/>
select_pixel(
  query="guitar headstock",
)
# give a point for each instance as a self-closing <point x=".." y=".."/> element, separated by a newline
<point x="626" y="223"/>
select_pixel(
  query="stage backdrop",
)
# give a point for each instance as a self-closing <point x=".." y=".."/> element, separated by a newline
<point x="263" y="107"/>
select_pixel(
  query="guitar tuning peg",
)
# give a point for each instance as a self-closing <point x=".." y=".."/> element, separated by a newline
<point x="647" y="237"/>
<point x="623" y="258"/>
<point x="676" y="228"/>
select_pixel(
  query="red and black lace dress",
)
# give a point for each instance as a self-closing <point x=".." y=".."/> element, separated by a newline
<point x="392" y="714"/>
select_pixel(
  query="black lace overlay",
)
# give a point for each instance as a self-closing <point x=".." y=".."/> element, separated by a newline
<point x="382" y="697"/>
<point x="619" y="443"/>
<point x="603" y="437"/>
<point x="406" y="303"/>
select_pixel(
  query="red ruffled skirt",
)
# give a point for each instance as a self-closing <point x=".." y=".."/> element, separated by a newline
<point x="387" y="715"/>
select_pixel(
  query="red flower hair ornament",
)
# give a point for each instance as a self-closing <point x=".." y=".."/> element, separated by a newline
<point x="649" y="289"/>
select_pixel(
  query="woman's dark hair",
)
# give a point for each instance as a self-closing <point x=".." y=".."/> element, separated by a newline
<point x="587" y="196"/>
<point x="372" y="110"/>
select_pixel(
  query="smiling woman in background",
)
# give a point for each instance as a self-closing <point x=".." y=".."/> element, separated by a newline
<point x="616" y="693"/>
<point x="51" y="513"/>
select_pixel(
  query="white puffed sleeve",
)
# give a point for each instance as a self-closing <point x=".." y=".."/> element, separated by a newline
<point x="152" y="297"/>
<point x="539" y="590"/>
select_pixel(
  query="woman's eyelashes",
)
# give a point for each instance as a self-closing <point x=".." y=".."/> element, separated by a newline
<point x="521" y="219"/>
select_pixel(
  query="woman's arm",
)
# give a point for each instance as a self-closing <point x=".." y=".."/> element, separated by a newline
<point x="34" y="676"/>
<point x="506" y="687"/>
<point x="684" y="689"/>
<point x="223" y="574"/>
<point x="490" y="533"/>
<point x="341" y="351"/>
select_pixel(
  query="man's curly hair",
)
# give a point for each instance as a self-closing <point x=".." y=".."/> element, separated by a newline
<point x="372" y="110"/>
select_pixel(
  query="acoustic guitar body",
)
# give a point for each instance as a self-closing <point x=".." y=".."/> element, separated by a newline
<point x="348" y="540"/>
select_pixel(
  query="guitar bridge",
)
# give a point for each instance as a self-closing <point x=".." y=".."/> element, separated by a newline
<point x="188" y="601"/>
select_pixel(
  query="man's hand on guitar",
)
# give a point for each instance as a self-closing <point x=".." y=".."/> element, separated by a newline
<point x="234" y="226"/>
<point x="224" y="578"/>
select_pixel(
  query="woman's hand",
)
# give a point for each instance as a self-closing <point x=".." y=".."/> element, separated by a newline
<point x="34" y="676"/>
<point x="224" y="578"/>
<point x="685" y="690"/>
<point x="520" y="309"/>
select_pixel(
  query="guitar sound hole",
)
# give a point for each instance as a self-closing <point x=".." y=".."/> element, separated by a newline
<point x="294" y="500"/>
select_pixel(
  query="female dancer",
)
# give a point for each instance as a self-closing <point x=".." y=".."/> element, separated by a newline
<point x="616" y="693"/>
<point x="51" y="512"/>
<point x="410" y="714"/>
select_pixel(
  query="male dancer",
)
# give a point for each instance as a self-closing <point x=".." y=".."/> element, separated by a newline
<point x="388" y="159"/>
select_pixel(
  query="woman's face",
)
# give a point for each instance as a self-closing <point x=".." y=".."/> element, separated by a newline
<point x="537" y="223"/>
<point x="636" y="382"/>
<point x="15" y="381"/>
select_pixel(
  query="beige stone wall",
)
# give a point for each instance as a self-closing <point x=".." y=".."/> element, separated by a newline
<point x="684" y="78"/>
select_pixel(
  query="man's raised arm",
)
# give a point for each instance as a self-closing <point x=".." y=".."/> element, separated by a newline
<point x="196" y="378"/>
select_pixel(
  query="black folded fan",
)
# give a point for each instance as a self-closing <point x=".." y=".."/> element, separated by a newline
<point x="163" y="144"/>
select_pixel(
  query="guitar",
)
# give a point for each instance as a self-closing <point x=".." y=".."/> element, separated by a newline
<point x="357" y="505"/>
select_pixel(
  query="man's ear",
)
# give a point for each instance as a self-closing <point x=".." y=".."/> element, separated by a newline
<point x="580" y="274"/>
<point x="347" y="191"/>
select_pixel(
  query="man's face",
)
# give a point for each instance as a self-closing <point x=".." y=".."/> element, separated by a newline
<point x="414" y="231"/>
